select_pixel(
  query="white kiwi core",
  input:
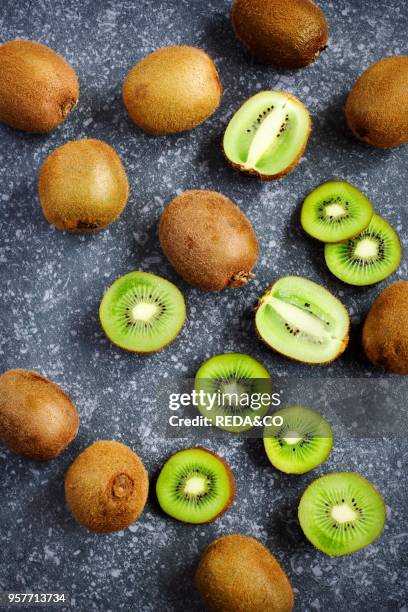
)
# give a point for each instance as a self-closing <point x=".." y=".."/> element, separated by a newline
<point x="144" y="311"/>
<point x="196" y="485"/>
<point x="342" y="513"/>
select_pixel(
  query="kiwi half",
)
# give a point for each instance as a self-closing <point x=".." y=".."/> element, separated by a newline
<point x="195" y="486"/>
<point x="369" y="257"/>
<point x="341" y="513"/>
<point x="301" y="444"/>
<point x="267" y="136"/>
<point x="335" y="211"/>
<point x="302" y="320"/>
<point x="237" y="378"/>
<point x="142" y="312"/>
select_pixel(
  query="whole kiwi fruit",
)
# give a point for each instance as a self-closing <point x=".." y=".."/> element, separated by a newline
<point x="377" y="105"/>
<point x="106" y="487"/>
<point x="237" y="573"/>
<point x="83" y="186"/>
<point x="37" y="419"/>
<point x="38" y="87"/>
<point x="385" y="331"/>
<point x="172" y="90"/>
<point x="208" y="240"/>
<point x="284" y="33"/>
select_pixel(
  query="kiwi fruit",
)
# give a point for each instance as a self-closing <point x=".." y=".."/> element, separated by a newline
<point x="302" y="320"/>
<point x="238" y="380"/>
<point x="172" y="90"/>
<point x="367" y="258"/>
<point x="237" y="573"/>
<point x="195" y="486"/>
<point x="385" y="331"/>
<point x="335" y="211"/>
<point x="377" y="105"/>
<point x="142" y="312"/>
<point x="37" y="419"/>
<point x="284" y="33"/>
<point x="301" y="443"/>
<point x="208" y="240"/>
<point x="83" y="186"/>
<point x="106" y="487"/>
<point x="341" y="513"/>
<point x="268" y="134"/>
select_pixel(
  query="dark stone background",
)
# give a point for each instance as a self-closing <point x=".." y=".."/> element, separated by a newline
<point x="52" y="283"/>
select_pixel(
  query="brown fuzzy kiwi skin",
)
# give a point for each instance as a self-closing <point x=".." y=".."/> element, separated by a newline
<point x="385" y="330"/>
<point x="106" y="487"/>
<point x="172" y="90"/>
<point x="37" y="418"/>
<point x="208" y="240"/>
<point x="288" y="34"/>
<point x="236" y="573"/>
<point x="38" y="87"/>
<point x="342" y="347"/>
<point x="69" y="186"/>
<point x="377" y="105"/>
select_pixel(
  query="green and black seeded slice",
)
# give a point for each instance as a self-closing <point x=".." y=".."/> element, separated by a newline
<point x="301" y="443"/>
<point x="369" y="257"/>
<point x="142" y="312"/>
<point x="195" y="486"/>
<point x="341" y="513"/>
<point x="335" y="211"/>
<point x="302" y="320"/>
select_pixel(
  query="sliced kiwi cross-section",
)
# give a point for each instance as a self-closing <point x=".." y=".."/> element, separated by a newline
<point x="195" y="486"/>
<point x="341" y="513"/>
<point x="369" y="257"/>
<point x="335" y="211"/>
<point x="302" y="320"/>
<point x="142" y="312"/>
<point x="267" y="135"/>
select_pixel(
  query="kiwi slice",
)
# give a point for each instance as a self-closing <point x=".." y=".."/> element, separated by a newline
<point x="195" y="486"/>
<point x="302" y="320"/>
<point x="301" y="443"/>
<point x="142" y="312"/>
<point x="369" y="257"/>
<point x="335" y="211"/>
<point x="234" y="378"/>
<point x="341" y="513"/>
<point x="267" y="135"/>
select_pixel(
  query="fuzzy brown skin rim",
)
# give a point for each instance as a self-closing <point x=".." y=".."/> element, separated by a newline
<point x="367" y="140"/>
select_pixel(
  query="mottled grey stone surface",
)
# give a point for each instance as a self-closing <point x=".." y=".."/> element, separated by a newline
<point x="51" y="285"/>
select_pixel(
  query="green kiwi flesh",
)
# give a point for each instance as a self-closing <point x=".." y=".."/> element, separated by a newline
<point x="142" y="312"/>
<point x="302" y="320"/>
<point x="195" y="486"/>
<point x="369" y="257"/>
<point x="341" y="513"/>
<point x="237" y="377"/>
<point x="267" y="136"/>
<point x="335" y="211"/>
<point x="301" y="443"/>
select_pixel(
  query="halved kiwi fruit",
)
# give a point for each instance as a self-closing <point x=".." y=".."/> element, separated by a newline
<point x="238" y="380"/>
<point x="142" y="312"/>
<point x="302" y="320"/>
<point x="267" y="136"/>
<point x="195" y="486"/>
<point x="335" y="211"/>
<point x="369" y="257"/>
<point x="341" y="513"/>
<point x="301" y="443"/>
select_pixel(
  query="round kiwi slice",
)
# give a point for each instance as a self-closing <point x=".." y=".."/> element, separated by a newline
<point x="302" y="320"/>
<point x="369" y="257"/>
<point x="234" y="378"/>
<point x="142" y="312"/>
<point x="195" y="486"/>
<point x="267" y="136"/>
<point x="335" y="211"/>
<point x="341" y="513"/>
<point x="301" y="443"/>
